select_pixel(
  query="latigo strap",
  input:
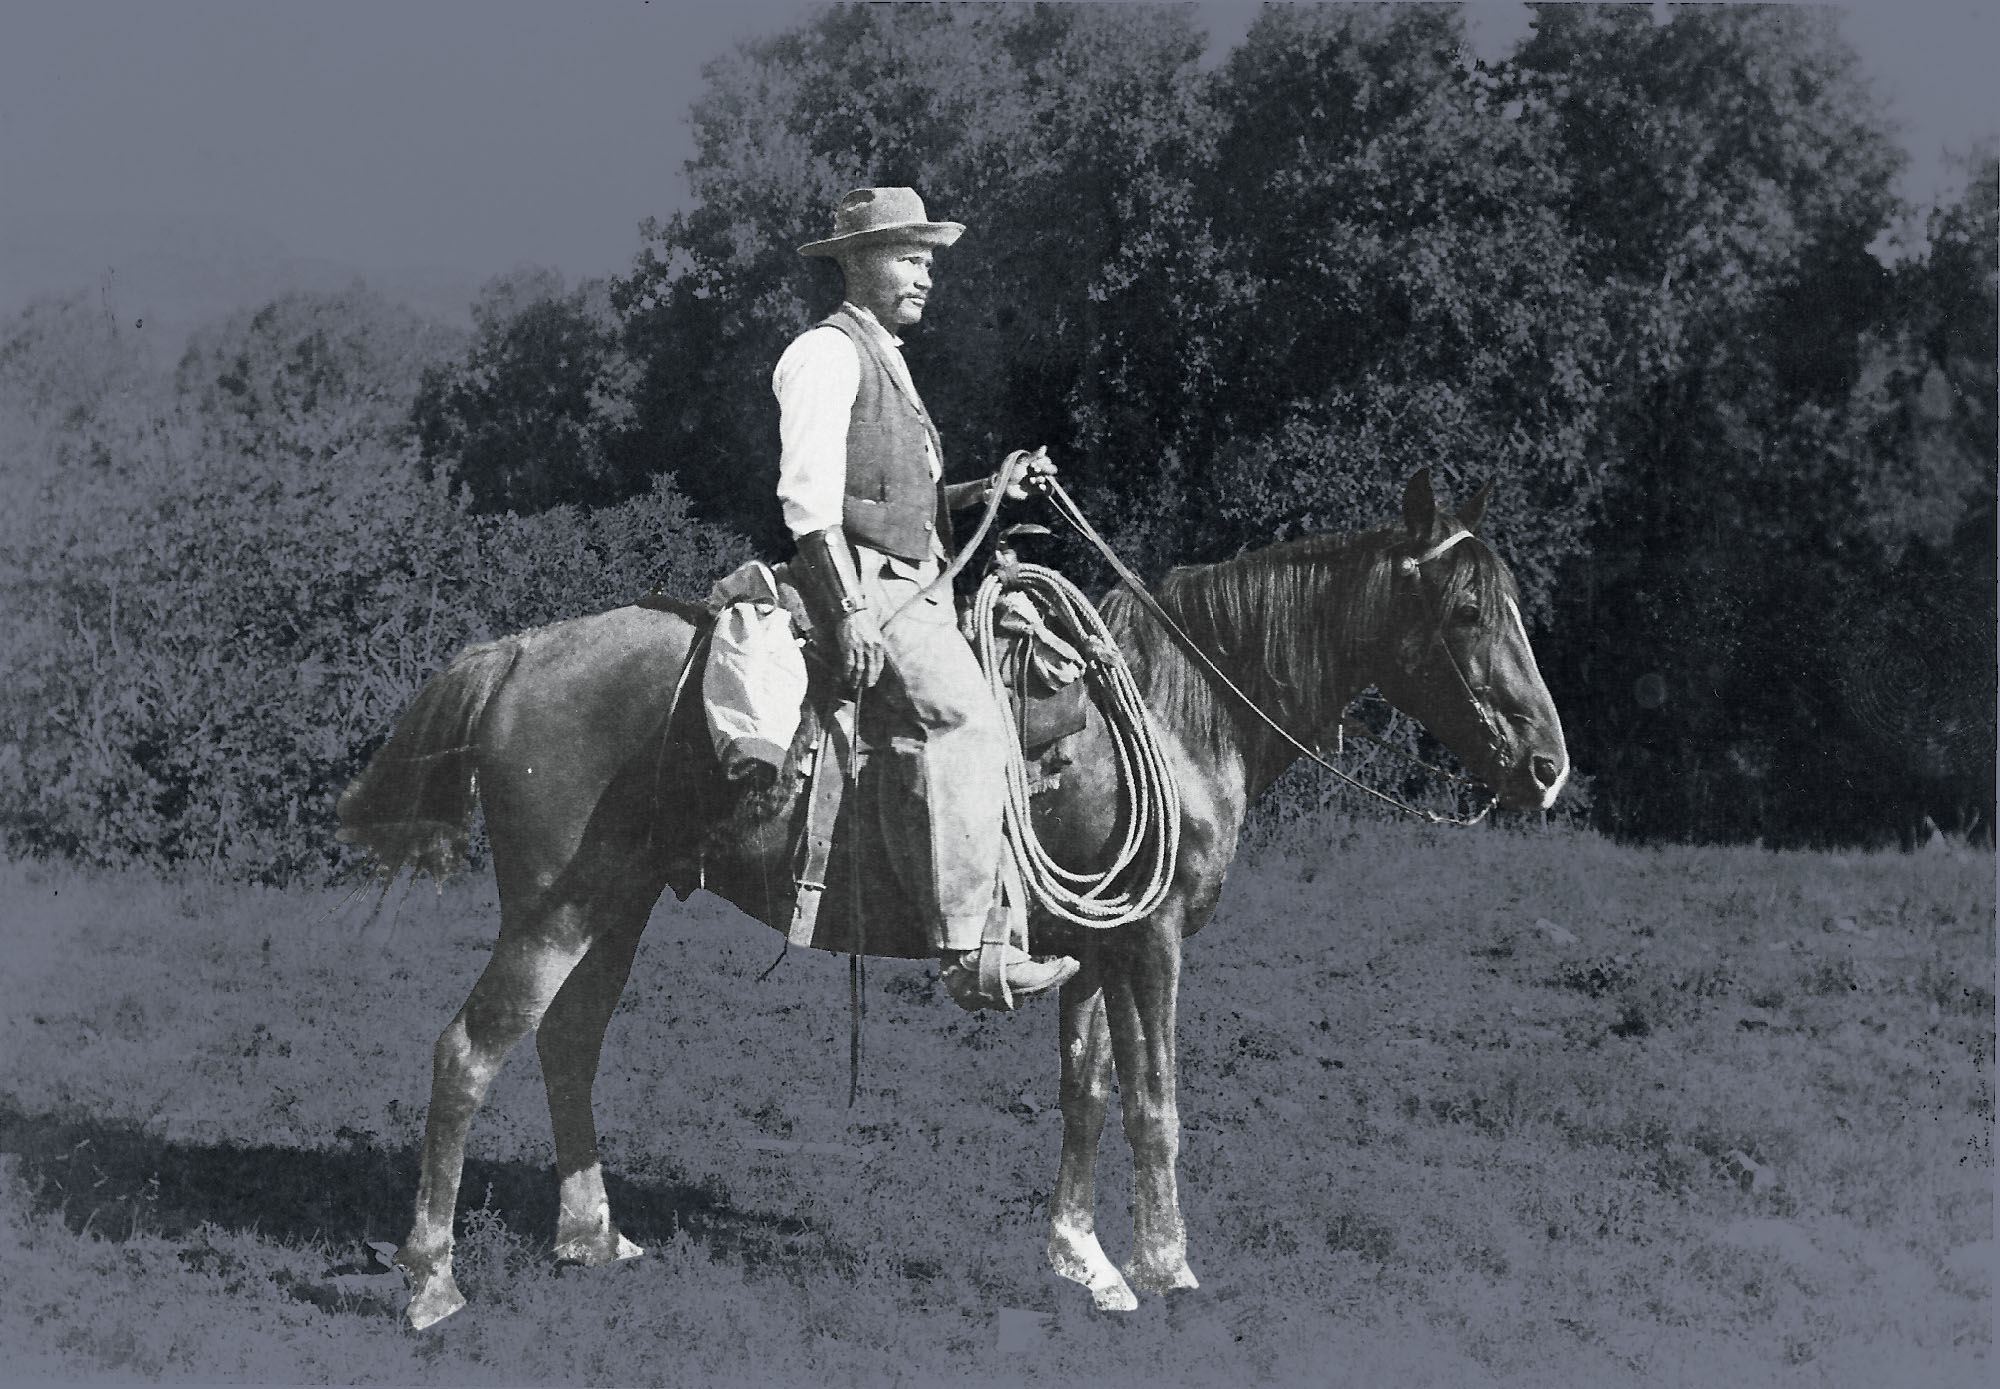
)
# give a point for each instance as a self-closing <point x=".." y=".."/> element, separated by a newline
<point x="832" y="762"/>
<point x="993" y="943"/>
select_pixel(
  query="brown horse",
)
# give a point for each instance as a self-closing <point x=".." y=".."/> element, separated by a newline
<point x="560" y="733"/>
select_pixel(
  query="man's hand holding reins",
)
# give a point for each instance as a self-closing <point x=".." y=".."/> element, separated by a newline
<point x="1032" y="474"/>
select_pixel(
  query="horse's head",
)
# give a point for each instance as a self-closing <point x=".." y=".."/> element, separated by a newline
<point x="1457" y="657"/>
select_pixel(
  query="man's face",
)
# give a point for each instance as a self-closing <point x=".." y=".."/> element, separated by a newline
<point x="891" y="281"/>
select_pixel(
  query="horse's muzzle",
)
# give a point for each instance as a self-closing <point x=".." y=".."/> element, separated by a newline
<point x="1536" y="777"/>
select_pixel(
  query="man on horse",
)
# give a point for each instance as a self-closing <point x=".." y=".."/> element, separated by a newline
<point x="859" y="480"/>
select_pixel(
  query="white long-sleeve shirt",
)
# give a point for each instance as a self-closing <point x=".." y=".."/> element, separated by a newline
<point x="816" y="381"/>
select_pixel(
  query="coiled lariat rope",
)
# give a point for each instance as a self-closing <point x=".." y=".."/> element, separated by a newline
<point x="1137" y="880"/>
<point x="1112" y="897"/>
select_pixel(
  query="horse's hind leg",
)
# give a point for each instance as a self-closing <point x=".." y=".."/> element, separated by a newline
<point x="1086" y="1092"/>
<point x="513" y="992"/>
<point x="569" y="1040"/>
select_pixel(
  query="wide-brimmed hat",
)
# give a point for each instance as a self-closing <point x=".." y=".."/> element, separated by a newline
<point x="869" y="215"/>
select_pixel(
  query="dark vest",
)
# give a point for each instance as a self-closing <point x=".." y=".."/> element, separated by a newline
<point x="892" y="503"/>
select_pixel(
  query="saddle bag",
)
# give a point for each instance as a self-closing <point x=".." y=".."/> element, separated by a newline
<point x="755" y="683"/>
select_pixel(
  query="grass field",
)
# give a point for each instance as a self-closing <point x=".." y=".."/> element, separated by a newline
<point x="1485" y="1107"/>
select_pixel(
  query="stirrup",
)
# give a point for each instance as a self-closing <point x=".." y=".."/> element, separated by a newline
<point x="993" y="988"/>
<point x="1029" y="975"/>
<point x="984" y="983"/>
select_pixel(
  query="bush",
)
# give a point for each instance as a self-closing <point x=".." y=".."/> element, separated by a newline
<point x="311" y="372"/>
<point x="209" y="644"/>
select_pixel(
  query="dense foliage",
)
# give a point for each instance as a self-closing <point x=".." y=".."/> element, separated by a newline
<point x="1788" y="484"/>
<point x="527" y="417"/>
<point x="218" y="606"/>
<point x="1745" y="466"/>
<point x="1414" y="299"/>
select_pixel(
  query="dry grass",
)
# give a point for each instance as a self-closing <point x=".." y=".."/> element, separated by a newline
<point x="1738" y="1131"/>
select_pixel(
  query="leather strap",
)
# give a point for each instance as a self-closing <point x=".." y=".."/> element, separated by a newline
<point x="829" y="784"/>
<point x="993" y="943"/>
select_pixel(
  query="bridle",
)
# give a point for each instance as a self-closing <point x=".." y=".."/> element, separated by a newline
<point x="1065" y="506"/>
<point x="1480" y="696"/>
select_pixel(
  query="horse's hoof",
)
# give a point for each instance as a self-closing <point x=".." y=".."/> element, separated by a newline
<point x="1115" y="1297"/>
<point x="436" y="1298"/>
<point x="1080" y="1259"/>
<point x="595" y="1251"/>
<point x="1176" y="1277"/>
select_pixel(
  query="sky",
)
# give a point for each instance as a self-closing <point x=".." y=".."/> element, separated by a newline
<point x="221" y="147"/>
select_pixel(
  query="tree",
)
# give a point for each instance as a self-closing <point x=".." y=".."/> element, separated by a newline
<point x="1410" y="295"/>
<point x="1237" y="305"/>
<point x="1729" y="171"/>
<point x="531" y="416"/>
<point x="1916" y="671"/>
<point x="1923" y="406"/>
<point x="1626" y="273"/>
<point x="1071" y="313"/>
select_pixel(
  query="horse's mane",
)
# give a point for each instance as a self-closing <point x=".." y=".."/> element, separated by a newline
<point x="1287" y="623"/>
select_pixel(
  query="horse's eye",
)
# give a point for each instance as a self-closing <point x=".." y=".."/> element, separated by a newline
<point x="1467" y="615"/>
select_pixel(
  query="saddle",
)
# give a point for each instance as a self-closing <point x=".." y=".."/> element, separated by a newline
<point x="807" y="855"/>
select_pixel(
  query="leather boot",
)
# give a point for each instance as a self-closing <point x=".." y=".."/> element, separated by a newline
<point x="1019" y="974"/>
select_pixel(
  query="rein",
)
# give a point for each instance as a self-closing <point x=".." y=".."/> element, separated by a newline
<point x="1065" y="506"/>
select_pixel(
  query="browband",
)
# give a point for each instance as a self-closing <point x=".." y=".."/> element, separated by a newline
<point x="1443" y="545"/>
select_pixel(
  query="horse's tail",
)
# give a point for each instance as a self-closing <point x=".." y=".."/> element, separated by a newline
<point x="412" y="805"/>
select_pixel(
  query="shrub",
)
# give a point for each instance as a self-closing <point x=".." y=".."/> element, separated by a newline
<point x="208" y="644"/>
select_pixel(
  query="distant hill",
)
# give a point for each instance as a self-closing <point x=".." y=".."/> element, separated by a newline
<point x="164" y="275"/>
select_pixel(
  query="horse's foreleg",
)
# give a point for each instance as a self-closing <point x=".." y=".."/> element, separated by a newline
<point x="1086" y="1091"/>
<point x="1141" y="989"/>
<point x="512" y="994"/>
<point x="569" y="1040"/>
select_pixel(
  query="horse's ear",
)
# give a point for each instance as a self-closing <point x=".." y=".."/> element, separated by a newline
<point x="1420" y="507"/>
<point x="1474" y="511"/>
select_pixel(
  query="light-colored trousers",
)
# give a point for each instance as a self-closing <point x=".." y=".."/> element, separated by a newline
<point x="935" y="720"/>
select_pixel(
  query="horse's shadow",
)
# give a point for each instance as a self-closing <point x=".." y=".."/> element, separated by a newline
<point x="113" y="1178"/>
